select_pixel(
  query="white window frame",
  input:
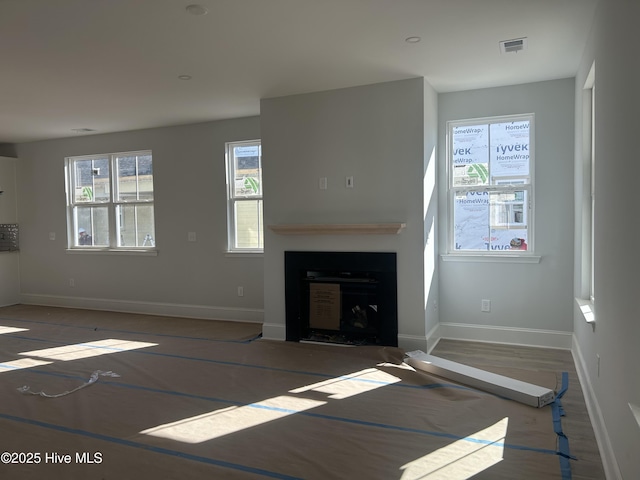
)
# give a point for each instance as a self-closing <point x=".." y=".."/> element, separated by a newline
<point x="233" y="199"/>
<point x="586" y="302"/>
<point x="502" y="187"/>
<point x="112" y="205"/>
<point x="591" y="85"/>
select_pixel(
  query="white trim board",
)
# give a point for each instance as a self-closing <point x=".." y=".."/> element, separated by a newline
<point x="274" y="331"/>
<point x="607" y="454"/>
<point x="411" y="342"/>
<point x="523" y="392"/>
<point x="508" y="335"/>
<point x="202" y="312"/>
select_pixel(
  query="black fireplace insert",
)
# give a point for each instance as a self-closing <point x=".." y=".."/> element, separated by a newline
<point x="341" y="297"/>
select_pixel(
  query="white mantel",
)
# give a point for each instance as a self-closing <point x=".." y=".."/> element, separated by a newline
<point x="339" y="229"/>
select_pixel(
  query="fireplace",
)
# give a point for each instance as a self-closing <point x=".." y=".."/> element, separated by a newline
<point x="341" y="297"/>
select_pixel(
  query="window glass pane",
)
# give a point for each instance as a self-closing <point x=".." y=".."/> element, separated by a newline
<point x="508" y="209"/>
<point x="91" y="180"/>
<point x="491" y="221"/>
<point x="471" y="221"/>
<point x="509" y="220"/>
<point x="247" y="171"/>
<point x="248" y="215"/>
<point x="135" y="178"/>
<point x="93" y="226"/>
<point x="509" y="151"/>
<point x="136" y="226"/>
<point x="470" y="159"/>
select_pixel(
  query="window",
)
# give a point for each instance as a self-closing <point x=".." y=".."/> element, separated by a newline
<point x="490" y="168"/>
<point x="589" y="155"/>
<point x="244" y="196"/>
<point x="110" y="201"/>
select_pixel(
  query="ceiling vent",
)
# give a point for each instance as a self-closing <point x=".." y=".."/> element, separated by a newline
<point x="513" y="46"/>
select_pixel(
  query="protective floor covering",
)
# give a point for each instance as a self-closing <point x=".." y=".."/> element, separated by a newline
<point x="204" y="399"/>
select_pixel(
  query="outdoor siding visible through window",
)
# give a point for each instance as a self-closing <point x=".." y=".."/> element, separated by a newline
<point x="244" y="195"/>
<point x="490" y="165"/>
<point x="110" y="201"/>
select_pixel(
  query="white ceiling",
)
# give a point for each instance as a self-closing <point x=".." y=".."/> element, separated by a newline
<point x="113" y="65"/>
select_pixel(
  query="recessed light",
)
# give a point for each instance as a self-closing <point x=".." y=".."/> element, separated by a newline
<point x="196" y="9"/>
<point x="412" y="39"/>
<point x="184" y="77"/>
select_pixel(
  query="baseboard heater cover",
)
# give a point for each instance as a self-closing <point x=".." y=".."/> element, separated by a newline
<point x="523" y="392"/>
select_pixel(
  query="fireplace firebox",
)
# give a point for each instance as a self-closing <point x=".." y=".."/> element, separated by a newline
<point x="341" y="297"/>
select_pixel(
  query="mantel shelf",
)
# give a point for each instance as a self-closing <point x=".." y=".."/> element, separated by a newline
<point x="339" y="229"/>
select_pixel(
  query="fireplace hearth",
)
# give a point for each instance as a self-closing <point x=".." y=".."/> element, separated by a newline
<point x="341" y="297"/>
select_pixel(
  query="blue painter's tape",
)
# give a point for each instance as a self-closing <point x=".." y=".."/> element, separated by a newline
<point x="228" y="402"/>
<point x="259" y="367"/>
<point x="557" y="412"/>
<point x="151" y="448"/>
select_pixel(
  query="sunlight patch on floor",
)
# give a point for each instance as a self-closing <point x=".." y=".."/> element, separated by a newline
<point x="230" y="420"/>
<point x="234" y="419"/>
<point x="20" y="364"/>
<point x="12" y="329"/>
<point x="89" y="349"/>
<point x="353" y="384"/>
<point x="461" y="459"/>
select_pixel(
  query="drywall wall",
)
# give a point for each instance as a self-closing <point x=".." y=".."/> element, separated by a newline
<point x="530" y="303"/>
<point x="185" y="278"/>
<point x="611" y="382"/>
<point x="9" y="261"/>
<point x="429" y="194"/>
<point x="374" y="133"/>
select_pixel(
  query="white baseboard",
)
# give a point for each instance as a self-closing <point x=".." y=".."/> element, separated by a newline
<point x="274" y="331"/>
<point x="432" y="338"/>
<point x="607" y="454"/>
<point x="509" y="335"/>
<point x="412" y="342"/>
<point x="203" y="312"/>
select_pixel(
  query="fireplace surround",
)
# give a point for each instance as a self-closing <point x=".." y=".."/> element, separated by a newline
<point x="341" y="297"/>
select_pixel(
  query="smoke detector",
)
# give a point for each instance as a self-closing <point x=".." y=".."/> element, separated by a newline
<point x="513" y="46"/>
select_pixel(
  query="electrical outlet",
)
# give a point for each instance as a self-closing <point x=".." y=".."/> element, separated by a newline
<point x="485" y="306"/>
<point x="241" y="291"/>
<point x="191" y="236"/>
<point x="52" y="235"/>
<point x="322" y="183"/>
<point x="72" y="282"/>
<point x="349" y="182"/>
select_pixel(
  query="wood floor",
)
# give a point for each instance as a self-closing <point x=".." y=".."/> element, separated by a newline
<point x="576" y="424"/>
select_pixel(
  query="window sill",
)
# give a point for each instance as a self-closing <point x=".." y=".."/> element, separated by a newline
<point x="111" y="251"/>
<point x="245" y="254"/>
<point x="587" y="310"/>
<point x="480" y="258"/>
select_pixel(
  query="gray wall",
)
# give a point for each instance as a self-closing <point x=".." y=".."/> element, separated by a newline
<point x="185" y="278"/>
<point x="523" y="296"/>
<point x="612" y="45"/>
<point x="374" y="133"/>
<point x="9" y="261"/>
